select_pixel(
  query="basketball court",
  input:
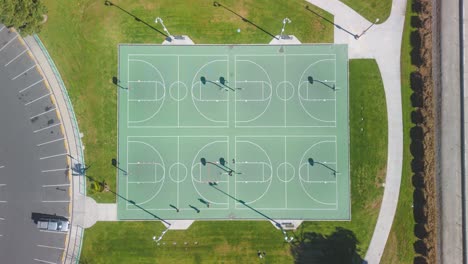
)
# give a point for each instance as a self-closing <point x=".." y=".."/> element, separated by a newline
<point x="233" y="132"/>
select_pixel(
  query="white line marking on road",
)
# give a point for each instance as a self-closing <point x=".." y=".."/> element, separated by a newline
<point x="2" y="28"/>
<point x="24" y="51"/>
<point x="52" y="141"/>
<point x="43" y="261"/>
<point x="46" y="127"/>
<point x="2" y="184"/>
<point x="31" y="85"/>
<point x="2" y="219"/>
<point x="1" y="235"/>
<point x="55" y="201"/>
<point x="23" y="72"/>
<point x="56" y="185"/>
<point x="1" y="167"/>
<point x="43" y="113"/>
<point x="55" y="170"/>
<point x="44" y="246"/>
<point x="37" y="99"/>
<point x="3" y="201"/>
<point x="11" y="40"/>
<point x="53" y="156"/>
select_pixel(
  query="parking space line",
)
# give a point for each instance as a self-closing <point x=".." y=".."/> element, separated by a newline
<point x="53" y="232"/>
<point x="46" y="127"/>
<point x="56" y="201"/>
<point x="1" y="167"/>
<point x="43" y="246"/>
<point x="43" y="261"/>
<point x="31" y="85"/>
<point x="11" y="40"/>
<point x="24" y="51"/>
<point x="3" y="201"/>
<point x="23" y="72"/>
<point x="55" y="170"/>
<point x="32" y="117"/>
<point x="2" y="28"/>
<point x="56" y="185"/>
<point x="53" y="156"/>
<point x="37" y="99"/>
<point x="2" y="219"/>
<point x="52" y="141"/>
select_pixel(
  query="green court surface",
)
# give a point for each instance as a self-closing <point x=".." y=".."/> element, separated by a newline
<point x="233" y="132"/>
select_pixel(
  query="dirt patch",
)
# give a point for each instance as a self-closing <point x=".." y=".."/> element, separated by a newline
<point x="423" y="135"/>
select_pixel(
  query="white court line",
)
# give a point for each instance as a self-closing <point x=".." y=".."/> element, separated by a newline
<point x="44" y="261"/>
<point x="56" y="201"/>
<point x="37" y="99"/>
<point x="56" y="185"/>
<point x="31" y="85"/>
<point x="11" y="40"/>
<point x="48" y="142"/>
<point x="44" y="246"/>
<point x="43" y="113"/>
<point x="53" y="156"/>
<point x="44" y="128"/>
<point x="24" y="51"/>
<point x="55" y="170"/>
<point x="23" y="72"/>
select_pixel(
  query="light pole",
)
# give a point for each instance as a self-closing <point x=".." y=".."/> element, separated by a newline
<point x="285" y="20"/>
<point x="365" y="30"/>
<point x="162" y="234"/>
<point x="158" y="19"/>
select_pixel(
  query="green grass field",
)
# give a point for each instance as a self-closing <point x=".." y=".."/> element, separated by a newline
<point x="82" y="38"/>
<point x="238" y="242"/>
<point x="371" y="9"/>
<point x="399" y="248"/>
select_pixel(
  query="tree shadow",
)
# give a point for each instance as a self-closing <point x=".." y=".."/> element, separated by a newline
<point x="340" y="247"/>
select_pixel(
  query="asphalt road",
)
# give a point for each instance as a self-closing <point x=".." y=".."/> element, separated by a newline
<point x="33" y="166"/>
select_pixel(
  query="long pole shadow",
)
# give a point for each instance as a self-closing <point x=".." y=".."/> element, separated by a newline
<point x="217" y="4"/>
<point x="312" y="162"/>
<point x="109" y="3"/>
<point x="248" y="206"/>
<point x="116" y="82"/>
<point x="356" y="36"/>
<point x="204" y="162"/>
<point x="130" y="201"/>
<point x="312" y="80"/>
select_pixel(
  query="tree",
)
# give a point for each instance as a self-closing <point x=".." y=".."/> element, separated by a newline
<point x="24" y="15"/>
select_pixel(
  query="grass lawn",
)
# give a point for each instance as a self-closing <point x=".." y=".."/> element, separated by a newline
<point x="399" y="248"/>
<point x="371" y="9"/>
<point x="82" y="38"/>
<point x="238" y="241"/>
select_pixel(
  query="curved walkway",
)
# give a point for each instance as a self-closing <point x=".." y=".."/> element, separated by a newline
<point x="382" y="43"/>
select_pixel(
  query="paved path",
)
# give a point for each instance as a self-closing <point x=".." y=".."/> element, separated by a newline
<point x="383" y="43"/>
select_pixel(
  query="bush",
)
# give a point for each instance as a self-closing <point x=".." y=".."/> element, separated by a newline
<point x="26" y="15"/>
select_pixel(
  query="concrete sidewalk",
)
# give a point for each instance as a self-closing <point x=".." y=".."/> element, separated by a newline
<point x="383" y="43"/>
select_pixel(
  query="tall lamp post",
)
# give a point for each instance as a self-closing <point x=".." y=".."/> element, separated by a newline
<point x="158" y="19"/>
<point x="285" y="21"/>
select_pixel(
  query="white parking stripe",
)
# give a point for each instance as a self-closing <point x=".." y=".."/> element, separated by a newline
<point x="43" y="261"/>
<point x="24" y="51"/>
<point x="56" y="201"/>
<point x="55" y="170"/>
<point x="53" y="232"/>
<point x="53" y="156"/>
<point x="43" y="246"/>
<point x="9" y="42"/>
<point x="46" y="127"/>
<point x="43" y="113"/>
<point x="31" y="85"/>
<point x="45" y="95"/>
<point x="1" y="167"/>
<point x="52" y="141"/>
<point x="56" y="185"/>
<point x="23" y="72"/>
